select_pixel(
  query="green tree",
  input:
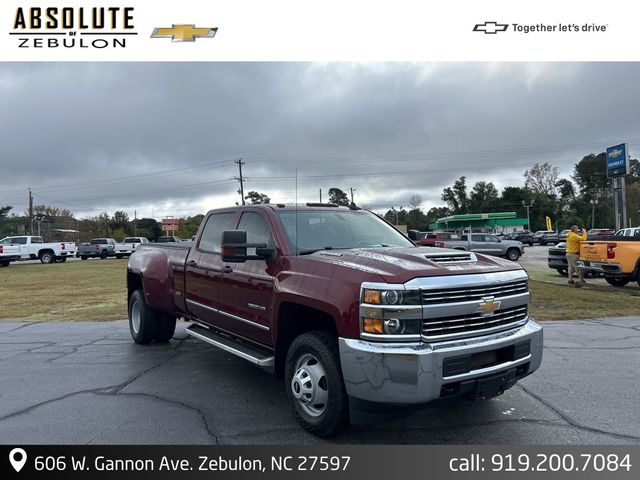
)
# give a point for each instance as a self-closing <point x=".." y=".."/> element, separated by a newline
<point x="456" y="197"/>
<point x="590" y="174"/>
<point x="483" y="198"/>
<point x="435" y="213"/>
<point x="338" y="197"/>
<point x="541" y="178"/>
<point x="257" y="197"/>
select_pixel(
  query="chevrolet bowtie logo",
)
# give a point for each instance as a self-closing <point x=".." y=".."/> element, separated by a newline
<point x="490" y="28"/>
<point x="488" y="305"/>
<point x="183" y="33"/>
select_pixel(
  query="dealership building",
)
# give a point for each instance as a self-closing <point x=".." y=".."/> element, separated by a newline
<point x="498" y="222"/>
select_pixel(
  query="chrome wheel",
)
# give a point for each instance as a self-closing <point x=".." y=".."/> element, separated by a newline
<point x="309" y="385"/>
<point x="135" y="317"/>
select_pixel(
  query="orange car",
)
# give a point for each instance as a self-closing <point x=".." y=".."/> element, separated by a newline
<point x="617" y="257"/>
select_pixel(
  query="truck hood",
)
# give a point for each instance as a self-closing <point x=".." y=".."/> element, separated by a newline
<point x="399" y="265"/>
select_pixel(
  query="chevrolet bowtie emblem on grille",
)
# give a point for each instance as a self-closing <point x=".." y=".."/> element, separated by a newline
<point x="184" y="33"/>
<point x="490" y="28"/>
<point x="488" y="305"/>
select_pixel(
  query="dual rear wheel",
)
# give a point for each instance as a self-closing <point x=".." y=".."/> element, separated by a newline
<point x="148" y="324"/>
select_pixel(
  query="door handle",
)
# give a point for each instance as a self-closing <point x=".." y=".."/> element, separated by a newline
<point x="192" y="263"/>
<point x="227" y="269"/>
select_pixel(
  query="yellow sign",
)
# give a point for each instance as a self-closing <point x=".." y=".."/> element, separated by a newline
<point x="549" y="226"/>
<point x="184" y="33"/>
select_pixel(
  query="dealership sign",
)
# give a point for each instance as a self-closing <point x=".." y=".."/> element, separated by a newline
<point x="617" y="160"/>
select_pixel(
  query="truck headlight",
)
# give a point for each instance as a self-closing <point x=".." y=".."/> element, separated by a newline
<point x="391" y="326"/>
<point x="391" y="297"/>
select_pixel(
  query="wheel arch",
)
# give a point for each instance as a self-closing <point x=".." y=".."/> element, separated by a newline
<point x="290" y="325"/>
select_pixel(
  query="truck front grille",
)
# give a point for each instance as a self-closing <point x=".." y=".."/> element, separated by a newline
<point x="461" y="325"/>
<point x="455" y="295"/>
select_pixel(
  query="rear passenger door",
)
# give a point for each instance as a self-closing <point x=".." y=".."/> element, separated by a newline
<point x="246" y="289"/>
<point x="204" y="267"/>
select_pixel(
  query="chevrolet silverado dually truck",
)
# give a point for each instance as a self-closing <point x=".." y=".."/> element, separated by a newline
<point x="350" y="312"/>
<point x="617" y="257"/>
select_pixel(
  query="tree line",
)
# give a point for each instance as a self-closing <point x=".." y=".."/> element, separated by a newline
<point x="567" y="201"/>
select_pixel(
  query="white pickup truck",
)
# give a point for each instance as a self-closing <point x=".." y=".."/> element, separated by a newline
<point x="128" y="246"/>
<point x="8" y="253"/>
<point x="34" y="248"/>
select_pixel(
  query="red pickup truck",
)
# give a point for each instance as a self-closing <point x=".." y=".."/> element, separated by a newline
<point x="351" y="313"/>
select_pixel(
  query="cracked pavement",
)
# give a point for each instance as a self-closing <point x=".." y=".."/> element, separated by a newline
<point x="88" y="383"/>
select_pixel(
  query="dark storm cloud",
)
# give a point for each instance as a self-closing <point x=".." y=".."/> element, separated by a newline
<point x="162" y="137"/>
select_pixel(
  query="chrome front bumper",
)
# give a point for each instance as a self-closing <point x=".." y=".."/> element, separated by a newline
<point x="412" y="373"/>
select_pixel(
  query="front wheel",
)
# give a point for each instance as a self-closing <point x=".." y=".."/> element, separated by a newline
<point x="313" y="380"/>
<point x="4" y="264"/>
<point x="83" y="257"/>
<point x="562" y="271"/>
<point x="513" y="254"/>
<point x="616" y="281"/>
<point x="103" y="254"/>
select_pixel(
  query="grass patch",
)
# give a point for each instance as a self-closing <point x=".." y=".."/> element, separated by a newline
<point x="551" y="301"/>
<point x="96" y="290"/>
<point x="89" y="290"/>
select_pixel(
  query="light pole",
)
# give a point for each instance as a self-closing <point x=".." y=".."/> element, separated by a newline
<point x="593" y="211"/>
<point x="528" y="207"/>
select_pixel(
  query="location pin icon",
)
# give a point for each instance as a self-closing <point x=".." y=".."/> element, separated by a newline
<point x="18" y="457"/>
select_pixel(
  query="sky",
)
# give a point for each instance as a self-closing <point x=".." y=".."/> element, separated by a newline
<point x="160" y="139"/>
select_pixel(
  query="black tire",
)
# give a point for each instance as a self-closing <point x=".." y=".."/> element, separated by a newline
<point x="591" y="274"/>
<point x="47" y="257"/>
<point x="562" y="271"/>
<point x="4" y="264"/>
<point x="165" y="328"/>
<point x="513" y="254"/>
<point x="531" y="244"/>
<point x="83" y="257"/>
<point x="617" y="281"/>
<point x="321" y="419"/>
<point x="103" y="254"/>
<point x="143" y="320"/>
<point x="61" y="259"/>
<point x="118" y="256"/>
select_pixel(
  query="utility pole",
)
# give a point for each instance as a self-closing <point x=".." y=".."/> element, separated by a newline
<point x="352" y="190"/>
<point x="135" y="223"/>
<point x="31" y="210"/>
<point x="320" y="195"/>
<point x="528" y="207"/>
<point x="240" y="163"/>
<point x="593" y="211"/>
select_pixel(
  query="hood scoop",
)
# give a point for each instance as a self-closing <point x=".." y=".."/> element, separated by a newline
<point x="462" y="257"/>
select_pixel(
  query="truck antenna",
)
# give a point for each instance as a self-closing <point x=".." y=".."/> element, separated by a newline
<point x="296" y="212"/>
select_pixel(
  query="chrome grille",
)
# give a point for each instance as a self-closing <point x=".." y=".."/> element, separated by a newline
<point x="460" y="325"/>
<point x="455" y="295"/>
<point x="454" y="258"/>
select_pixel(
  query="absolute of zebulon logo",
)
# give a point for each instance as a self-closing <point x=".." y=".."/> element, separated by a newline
<point x="69" y="27"/>
<point x="492" y="28"/>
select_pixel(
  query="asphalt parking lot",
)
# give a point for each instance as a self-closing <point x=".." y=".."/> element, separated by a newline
<point x="87" y="383"/>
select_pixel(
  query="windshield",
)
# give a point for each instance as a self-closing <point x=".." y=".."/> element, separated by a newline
<point x="131" y="240"/>
<point x="98" y="241"/>
<point x="340" y="229"/>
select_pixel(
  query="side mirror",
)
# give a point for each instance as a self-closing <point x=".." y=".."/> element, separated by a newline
<point x="234" y="248"/>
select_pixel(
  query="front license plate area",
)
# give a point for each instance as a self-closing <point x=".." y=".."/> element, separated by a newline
<point x="493" y="386"/>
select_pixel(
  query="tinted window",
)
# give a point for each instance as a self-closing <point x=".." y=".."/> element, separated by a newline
<point x="98" y="241"/>
<point x="19" y="241"/>
<point x="491" y="238"/>
<point x="36" y="240"/>
<point x="257" y="229"/>
<point x="212" y="233"/>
